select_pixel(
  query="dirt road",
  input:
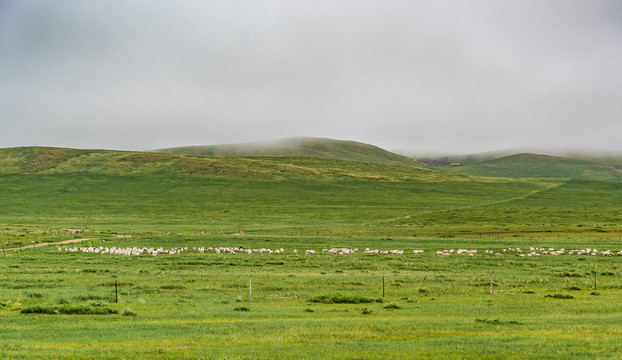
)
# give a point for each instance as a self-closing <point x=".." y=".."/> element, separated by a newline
<point x="47" y="244"/>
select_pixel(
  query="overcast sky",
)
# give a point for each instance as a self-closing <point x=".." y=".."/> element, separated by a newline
<point x="427" y="76"/>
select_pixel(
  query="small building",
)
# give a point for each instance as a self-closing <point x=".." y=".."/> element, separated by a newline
<point x="455" y="164"/>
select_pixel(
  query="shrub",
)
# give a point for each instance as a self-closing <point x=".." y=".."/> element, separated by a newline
<point x="569" y="274"/>
<point x="68" y="310"/>
<point x="497" y="322"/>
<point x="392" y="306"/>
<point x="241" y="308"/>
<point x="366" y="311"/>
<point x="342" y="299"/>
<point x="98" y="303"/>
<point x="559" y="296"/>
<point x="128" y="312"/>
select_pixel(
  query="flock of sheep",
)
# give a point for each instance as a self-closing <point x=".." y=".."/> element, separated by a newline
<point x="533" y="252"/>
<point x="220" y="250"/>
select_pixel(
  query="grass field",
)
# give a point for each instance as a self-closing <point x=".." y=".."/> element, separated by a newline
<point x="197" y="305"/>
<point x="108" y="190"/>
<point x="62" y="304"/>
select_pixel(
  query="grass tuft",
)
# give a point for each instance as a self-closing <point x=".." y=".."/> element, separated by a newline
<point x="128" y="312"/>
<point x="392" y="306"/>
<point x="497" y="322"/>
<point x="559" y="296"/>
<point x="342" y="299"/>
<point x="68" y="310"/>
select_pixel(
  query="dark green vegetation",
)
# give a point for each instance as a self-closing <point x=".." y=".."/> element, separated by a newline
<point x="68" y="309"/>
<point x="197" y="305"/>
<point x="342" y="299"/>
<point x="307" y="147"/>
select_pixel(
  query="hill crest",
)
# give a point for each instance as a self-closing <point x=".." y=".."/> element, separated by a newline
<point x="302" y="146"/>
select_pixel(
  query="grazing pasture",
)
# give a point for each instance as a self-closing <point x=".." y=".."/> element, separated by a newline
<point x="196" y="303"/>
<point x="294" y="257"/>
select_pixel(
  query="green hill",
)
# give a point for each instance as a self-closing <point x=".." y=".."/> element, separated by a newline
<point x="307" y="147"/>
<point x="43" y="160"/>
<point x="101" y="189"/>
<point x="533" y="165"/>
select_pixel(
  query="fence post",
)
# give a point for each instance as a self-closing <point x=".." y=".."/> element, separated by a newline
<point x="491" y="278"/>
<point x="116" y="293"/>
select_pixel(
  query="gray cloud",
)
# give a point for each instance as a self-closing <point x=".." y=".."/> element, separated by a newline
<point x="421" y="75"/>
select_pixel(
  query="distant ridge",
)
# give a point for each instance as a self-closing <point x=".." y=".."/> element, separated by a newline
<point x="62" y="161"/>
<point x="469" y="159"/>
<point x="302" y="146"/>
<point x="526" y="165"/>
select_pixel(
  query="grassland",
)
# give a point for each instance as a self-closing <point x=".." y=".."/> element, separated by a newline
<point x="109" y="190"/>
<point x="197" y="305"/>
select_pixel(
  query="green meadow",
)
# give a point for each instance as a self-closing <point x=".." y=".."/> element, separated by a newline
<point x="61" y="304"/>
<point x="191" y="304"/>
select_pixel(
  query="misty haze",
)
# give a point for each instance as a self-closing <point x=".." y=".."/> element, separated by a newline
<point x="420" y="77"/>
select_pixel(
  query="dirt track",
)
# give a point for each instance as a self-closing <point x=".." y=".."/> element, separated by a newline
<point x="47" y="244"/>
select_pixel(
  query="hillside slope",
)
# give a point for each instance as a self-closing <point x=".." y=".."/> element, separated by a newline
<point x="533" y="165"/>
<point x="44" y="160"/>
<point x="100" y="189"/>
<point x="307" y="147"/>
